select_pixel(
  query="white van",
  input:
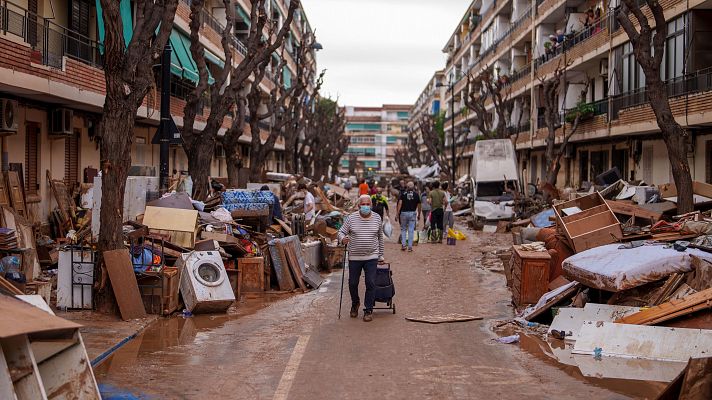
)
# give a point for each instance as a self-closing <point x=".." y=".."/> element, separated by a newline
<point x="494" y="165"/>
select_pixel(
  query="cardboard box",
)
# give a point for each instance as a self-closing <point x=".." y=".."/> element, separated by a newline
<point x="181" y="225"/>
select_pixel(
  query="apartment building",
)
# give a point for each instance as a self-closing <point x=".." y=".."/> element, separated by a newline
<point x="429" y="103"/>
<point x="375" y="133"/>
<point x="52" y="86"/>
<point x="524" y="42"/>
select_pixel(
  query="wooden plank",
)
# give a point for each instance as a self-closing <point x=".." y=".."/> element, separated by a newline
<point x="619" y="207"/>
<point x="290" y="252"/>
<point x="17" y="193"/>
<point x="25" y="240"/>
<point x="61" y="196"/>
<point x="252" y="274"/>
<point x="284" y="226"/>
<point x="697" y="383"/>
<point x="23" y="368"/>
<point x="669" y="310"/>
<point x="9" y="287"/>
<point x="123" y="281"/>
<point x="281" y="269"/>
<point x="553" y="301"/>
<point x="4" y="196"/>
<point x="667" y="289"/>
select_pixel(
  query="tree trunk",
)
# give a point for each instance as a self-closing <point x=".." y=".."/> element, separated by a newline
<point x="115" y="152"/>
<point x="233" y="169"/>
<point x="200" y="156"/>
<point x="675" y="141"/>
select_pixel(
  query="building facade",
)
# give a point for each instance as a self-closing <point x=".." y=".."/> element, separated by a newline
<point x="375" y="133"/>
<point x="525" y="42"/>
<point x="52" y="87"/>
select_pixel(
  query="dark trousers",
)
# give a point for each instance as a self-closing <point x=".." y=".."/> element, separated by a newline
<point x="436" y="219"/>
<point x="369" y="268"/>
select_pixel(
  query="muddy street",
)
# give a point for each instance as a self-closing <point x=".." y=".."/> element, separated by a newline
<point x="296" y="348"/>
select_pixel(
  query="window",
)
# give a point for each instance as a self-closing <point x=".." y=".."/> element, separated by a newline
<point x="363" y="127"/>
<point x="674" y="61"/>
<point x="403" y="115"/>
<point x="71" y="159"/>
<point x="533" y="173"/>
<point x="630" y="73"/>
<point x="708" y="161"/>
<point x="391" y="140"/>
<point x="32" y="147"/>
<point x="583" y="167"/>
<point x="599" y="163"/>
<point x="620" y="161"/>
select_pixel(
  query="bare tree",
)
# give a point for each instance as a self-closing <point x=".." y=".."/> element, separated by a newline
<point x="223" y="94"/>
<point x="433" y="132"/>
<point x="649" y="48"/>
<point x="409" y="155"/>
<point x="128" y="71"/>
<point x="482" y="88"/>
<point x="325" y="142"/>
<point x="553" y="154"/>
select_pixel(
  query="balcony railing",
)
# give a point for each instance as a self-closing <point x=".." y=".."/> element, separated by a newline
<point x="210" y="20"/>
<point x="50" y="42"/>
<point x="698" y="81"/>
<point x="520" y="73"/>
<point x="571" y="40"/>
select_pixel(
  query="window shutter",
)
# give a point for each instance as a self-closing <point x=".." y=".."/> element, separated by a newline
<point x="32" y="138"/>
<point x="71" y="159"/>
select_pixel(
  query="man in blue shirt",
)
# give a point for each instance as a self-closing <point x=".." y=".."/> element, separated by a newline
<point x="277" y="207"/>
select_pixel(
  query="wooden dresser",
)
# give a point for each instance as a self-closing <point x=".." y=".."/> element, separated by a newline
<point x="530" y="275"/>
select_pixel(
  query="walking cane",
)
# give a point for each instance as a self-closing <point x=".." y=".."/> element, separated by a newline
<point x="343" y="273"/>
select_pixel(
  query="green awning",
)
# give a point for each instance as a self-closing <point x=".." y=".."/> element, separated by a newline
<point x="287" y="75"/>
<point x="210" y="57"/>
<point x="182" y="63"/>
<point x="244" y="15"/>
<point x="126" y="20"/>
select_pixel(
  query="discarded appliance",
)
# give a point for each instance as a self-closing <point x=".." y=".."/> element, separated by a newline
<point x="204" y="282"/>
<point x="613" y="269"/>
<point x="494" y="172"/>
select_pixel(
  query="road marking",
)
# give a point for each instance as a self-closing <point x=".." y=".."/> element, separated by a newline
<point x="290" y="371"/>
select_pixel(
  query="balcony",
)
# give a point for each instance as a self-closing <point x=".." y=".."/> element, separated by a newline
<point x="210" y="20"/>
<point x="696" y="82"/>
<point x="50" y="42"/>
<point x="574" y="40"/>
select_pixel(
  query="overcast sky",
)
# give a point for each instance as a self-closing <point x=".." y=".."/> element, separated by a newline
<point x="381" y="51"/>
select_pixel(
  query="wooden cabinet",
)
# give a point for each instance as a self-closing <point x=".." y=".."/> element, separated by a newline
<point x="530" y="275"/>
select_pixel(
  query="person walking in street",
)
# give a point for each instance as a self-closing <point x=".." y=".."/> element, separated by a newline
<point x="372" y="188"/>
<point x="407" y="214"/>
<point x="449" y="218"/>
<point x="425" y="206"/>
<point x="362" y="187"/>
<point x="436" y="198"/>
<point x="362" y="233"/>
<point x="309" y="202"/>
<point x="380" y="204"/>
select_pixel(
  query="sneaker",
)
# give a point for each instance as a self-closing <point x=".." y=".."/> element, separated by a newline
<point x="410" y="250"/>
<point x="367" y="316"/>
<point x="354" y="310"/>
<point x="402" y="248"/>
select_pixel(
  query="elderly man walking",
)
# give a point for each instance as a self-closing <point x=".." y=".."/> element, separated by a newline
<point x="362" y="233"/>
<point x="407" y="215"/>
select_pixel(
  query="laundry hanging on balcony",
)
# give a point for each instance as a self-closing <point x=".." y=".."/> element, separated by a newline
<point x="126" y="22"/>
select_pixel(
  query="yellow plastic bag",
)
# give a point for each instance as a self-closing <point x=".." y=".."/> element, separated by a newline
<point x="457" y="235"/>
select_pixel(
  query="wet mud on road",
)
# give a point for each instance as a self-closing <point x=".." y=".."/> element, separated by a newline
<point x="296" y="348"/>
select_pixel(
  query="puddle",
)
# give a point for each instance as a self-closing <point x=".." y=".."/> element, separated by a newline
<point x="172" y="333"/>
<point x="649" y="378"/>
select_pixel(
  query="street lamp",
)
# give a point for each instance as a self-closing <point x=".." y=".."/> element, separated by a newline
<point x="451" y="85"/>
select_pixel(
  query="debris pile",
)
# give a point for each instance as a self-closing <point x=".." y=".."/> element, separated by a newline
<point x="612" y="291"/>
<point x="179" y="254"/>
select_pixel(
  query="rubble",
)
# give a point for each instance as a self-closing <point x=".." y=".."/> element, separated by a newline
<point x="616" y="274"/>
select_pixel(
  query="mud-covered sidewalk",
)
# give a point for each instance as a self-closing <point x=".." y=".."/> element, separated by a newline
<point x="296" y="348"/>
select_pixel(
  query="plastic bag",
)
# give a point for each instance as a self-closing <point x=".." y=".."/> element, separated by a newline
<point x="457" y="235"/>
<point x="387" y="228"/>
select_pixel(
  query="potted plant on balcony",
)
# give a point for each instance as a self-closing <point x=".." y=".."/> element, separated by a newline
<point x="582" y="110"/>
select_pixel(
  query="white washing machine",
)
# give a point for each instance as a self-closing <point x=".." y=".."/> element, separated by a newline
<point x="204" y="283"/>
